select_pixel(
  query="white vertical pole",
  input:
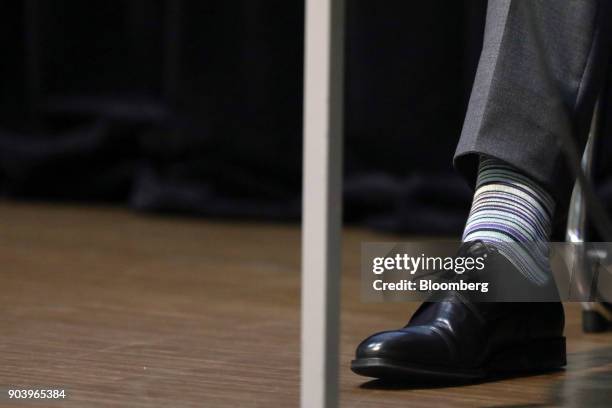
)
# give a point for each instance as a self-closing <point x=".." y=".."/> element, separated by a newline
<point x="322" y="202"/>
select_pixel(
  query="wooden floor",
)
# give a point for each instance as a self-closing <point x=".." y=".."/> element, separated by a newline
<point x="128" y="310"/>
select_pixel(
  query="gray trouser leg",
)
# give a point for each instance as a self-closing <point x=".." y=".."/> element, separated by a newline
<point x="542" y="65"/>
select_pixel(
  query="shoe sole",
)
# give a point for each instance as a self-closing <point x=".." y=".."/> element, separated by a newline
<point x="536" y="356"/>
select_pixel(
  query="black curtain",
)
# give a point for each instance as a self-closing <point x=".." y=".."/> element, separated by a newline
<point x="195" y="107"/>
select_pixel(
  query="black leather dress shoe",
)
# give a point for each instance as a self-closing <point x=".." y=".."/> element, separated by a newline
<point x="459" y="339"/>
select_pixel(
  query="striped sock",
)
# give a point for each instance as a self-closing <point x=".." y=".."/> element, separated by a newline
<point x="513" y="212"/>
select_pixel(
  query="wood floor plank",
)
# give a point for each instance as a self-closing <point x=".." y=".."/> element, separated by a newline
<point x="125" y="310"/>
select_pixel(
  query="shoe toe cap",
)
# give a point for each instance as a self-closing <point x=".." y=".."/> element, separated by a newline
<point x="418" y="344"/>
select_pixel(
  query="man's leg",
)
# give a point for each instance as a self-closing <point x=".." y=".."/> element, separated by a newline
<point x="541" y="68"/>
<point x="538" y="77"/>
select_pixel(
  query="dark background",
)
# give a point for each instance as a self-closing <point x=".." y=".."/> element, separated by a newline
<point x="194" y="107"/>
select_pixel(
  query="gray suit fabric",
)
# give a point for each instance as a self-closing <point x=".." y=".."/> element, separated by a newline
<point x="541" y="68"/>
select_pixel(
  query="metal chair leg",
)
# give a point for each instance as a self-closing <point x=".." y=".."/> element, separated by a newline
<point x="595" y="317"/>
